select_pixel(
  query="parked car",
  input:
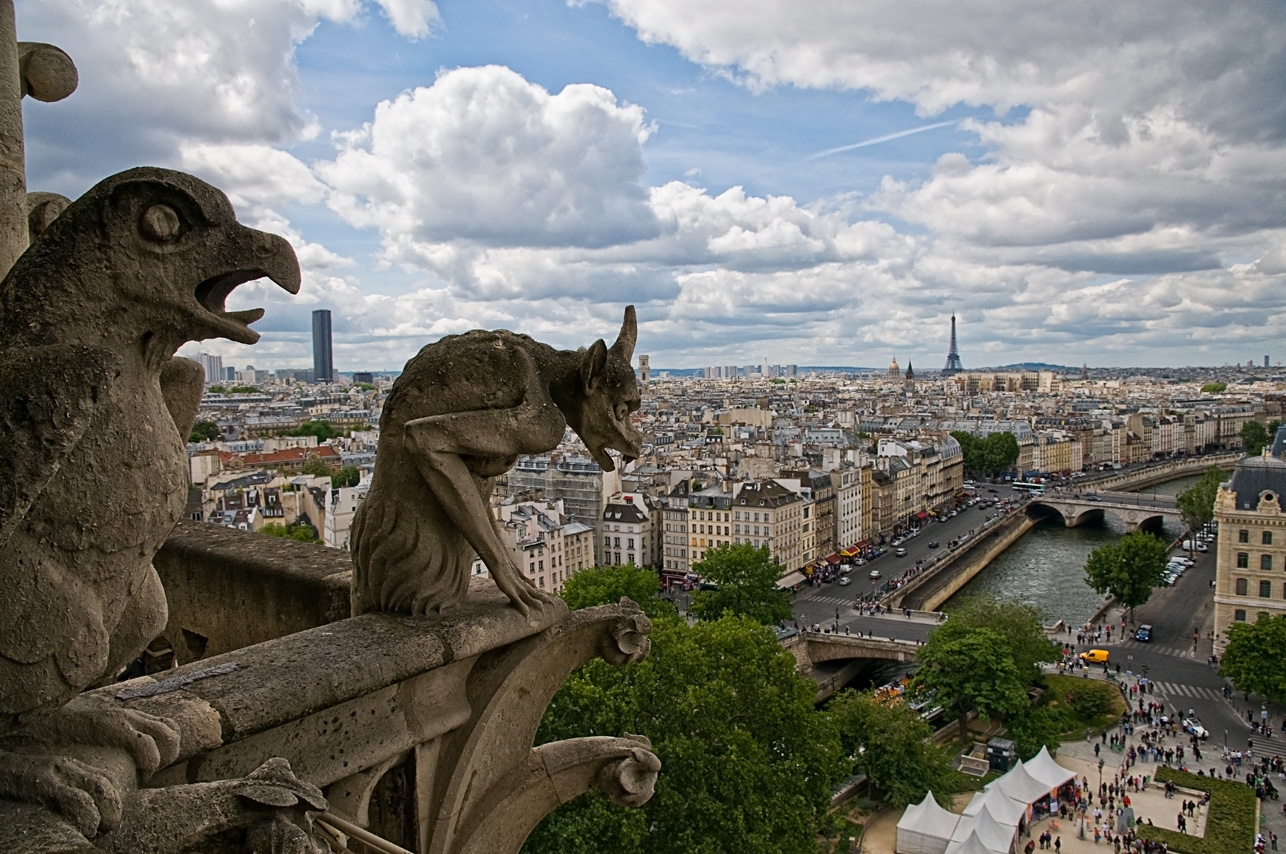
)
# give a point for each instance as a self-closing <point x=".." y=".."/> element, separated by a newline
<point x="1143" y="633"/>
<point x="1094" y="656"/>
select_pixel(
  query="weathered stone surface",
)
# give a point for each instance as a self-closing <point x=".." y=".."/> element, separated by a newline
<point x="230" y="589"/>
<point x="460" y="414"/>
<point x="95" y="473"/>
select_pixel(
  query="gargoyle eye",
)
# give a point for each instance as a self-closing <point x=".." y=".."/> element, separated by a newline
<point x="161" y="223"/>
<point x="622" y="411"/>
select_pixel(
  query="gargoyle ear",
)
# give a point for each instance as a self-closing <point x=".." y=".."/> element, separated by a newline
<point x="624" y="346"/>
<point x="592" y="365"/>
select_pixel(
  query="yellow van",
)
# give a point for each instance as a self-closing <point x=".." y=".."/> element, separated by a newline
<point x="1094" y="656"/>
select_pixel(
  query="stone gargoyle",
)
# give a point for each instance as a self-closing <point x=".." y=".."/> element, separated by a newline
<point x="461" y="413"/>
<point x="94" y="413"/>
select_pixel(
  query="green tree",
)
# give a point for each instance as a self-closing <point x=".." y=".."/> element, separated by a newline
<point x="1127" y="569"/>
<point x="1019" y="625"/>
<point x="315" y="467"/>
<point x="1214" y="388"/>
<point x="347" y="476"/>
<point x="605" y="585"/>
<point x="1197" y="503"/>
<point x="302" y="532"/>
<point x="244" y="389"/>
<point x="969" y="447"/>
<point x="1253" y="437"/>
<point x="218" y="389"/>
<point x="748" y="761"/>
<point x="1037" y="727"/>
<point x="971" y="672"/>
<point x="990" y="456"/>
<point x="1254" y="655"/>
<point x="891" y="745"/>
<point x="747" y="585"/>
<point x="320" y="428"/>
<point x="204" y="431"/>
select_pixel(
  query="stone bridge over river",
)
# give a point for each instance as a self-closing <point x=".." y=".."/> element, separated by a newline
<point x="1076" y="508"/>
<point x="812" y="649"/>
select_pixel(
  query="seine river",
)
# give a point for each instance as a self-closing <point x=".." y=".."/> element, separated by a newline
<point x="1046" y="567"/>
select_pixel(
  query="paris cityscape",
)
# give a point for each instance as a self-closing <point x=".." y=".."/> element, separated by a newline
<point x="642" y="426"/>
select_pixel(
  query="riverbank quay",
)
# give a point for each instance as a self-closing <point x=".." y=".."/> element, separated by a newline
<point x="934" y="585"/>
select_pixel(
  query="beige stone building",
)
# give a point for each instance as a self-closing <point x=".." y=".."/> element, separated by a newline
<point x="765" y="513"/>
<point x="1250" y="568"/>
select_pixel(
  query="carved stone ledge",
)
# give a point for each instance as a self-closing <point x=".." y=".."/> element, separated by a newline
<point x="345" y="703"/>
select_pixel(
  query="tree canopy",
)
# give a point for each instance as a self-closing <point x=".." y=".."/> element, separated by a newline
<point x="322" y="429"/>
<point x="971" y="671"/>
<point x="205" y="431"/>
<point x="1254" y="655"/>
<point x="746" y="579"/>
<point x="315" y="467"/>
<point x="605" y="585"/>
<point x="990" y="456"/>
<point x="1127" y="569"/>
<point x="347" y="476"/>
<point x="1214" y="388"/>
<point x="748" y="762"/>
<point x="1197" y="503"/>
<point x="301" y="531"/>
<point x="891" y="745"/>
<point x="1253" y="437"/>
<point x="1019" y="625"/>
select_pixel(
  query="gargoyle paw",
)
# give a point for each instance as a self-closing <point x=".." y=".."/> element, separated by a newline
<point x="83" y="795"/>
<point x="153" y="742"/>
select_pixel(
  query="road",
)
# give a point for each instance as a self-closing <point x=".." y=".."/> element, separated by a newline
<point x="890" y="566"/>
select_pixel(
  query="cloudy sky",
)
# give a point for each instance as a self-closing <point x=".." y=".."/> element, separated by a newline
<point x="818" y="182"/>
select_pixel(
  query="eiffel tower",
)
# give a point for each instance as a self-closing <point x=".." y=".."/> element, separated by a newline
<point x="953" y="358"/>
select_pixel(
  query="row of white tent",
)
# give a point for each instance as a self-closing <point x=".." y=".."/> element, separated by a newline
<point x="991" y="819"/>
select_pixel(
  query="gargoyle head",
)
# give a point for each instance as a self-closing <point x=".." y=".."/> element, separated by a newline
<point x="147" y="255"/>
<point x="608" y="395"/>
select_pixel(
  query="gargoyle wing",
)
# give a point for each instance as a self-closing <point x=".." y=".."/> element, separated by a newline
<point x="48" y="398"/>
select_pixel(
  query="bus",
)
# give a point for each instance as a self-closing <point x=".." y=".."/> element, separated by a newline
<point x="1032" y="488"/>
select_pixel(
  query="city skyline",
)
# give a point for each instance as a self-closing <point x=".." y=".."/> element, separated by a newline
<point x="1085" y="185"/>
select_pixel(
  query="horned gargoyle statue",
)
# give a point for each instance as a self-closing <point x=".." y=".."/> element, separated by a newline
<point x="94" y="413"/>
<point x="460" y="414"/>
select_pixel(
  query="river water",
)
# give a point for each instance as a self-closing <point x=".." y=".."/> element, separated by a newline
<point x="1045" y="567"/>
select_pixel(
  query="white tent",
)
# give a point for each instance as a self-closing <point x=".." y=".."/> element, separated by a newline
<point x="1021" y="786"/>
<point x="972" y="845"/>
<point x="999" y="805"/>
<point x="997" y="837"/>
<point x="1043" y="768"/>
<point x="925" y="828"/>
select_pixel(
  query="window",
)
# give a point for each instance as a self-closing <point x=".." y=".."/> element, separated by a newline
<point x="1239" y="615"/>
<point x="1265" y="562"/>
<point x="1241" y="587"/>
<point x="1243" y="560"/>
<point x="1268" y="538"/>
<point x="1265" y="589"/>
<point x="1243" y="536"/>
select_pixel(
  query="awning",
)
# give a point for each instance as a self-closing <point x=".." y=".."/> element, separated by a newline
<point x="788" y="581"/>
<point x="922" y="515"/>
<point x="862" y="544"/>
<point x="832" y="558"/>
<point x="851" y="551"/>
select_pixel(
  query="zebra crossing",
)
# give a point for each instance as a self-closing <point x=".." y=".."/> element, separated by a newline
<point x="1177" y="695"/>
<point x="1173" y="690"/>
